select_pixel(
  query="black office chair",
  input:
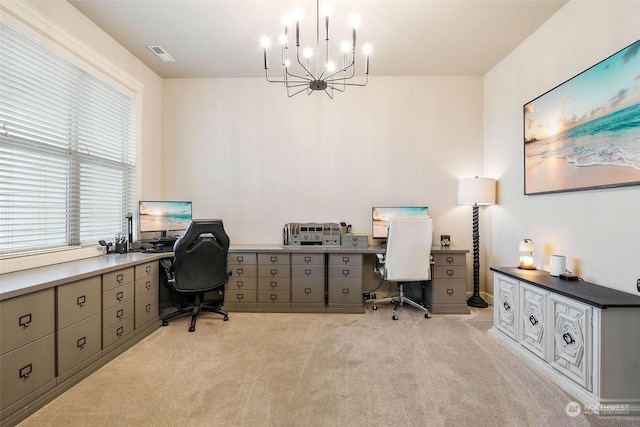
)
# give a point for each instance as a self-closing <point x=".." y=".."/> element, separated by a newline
<point x="199" y="266"/>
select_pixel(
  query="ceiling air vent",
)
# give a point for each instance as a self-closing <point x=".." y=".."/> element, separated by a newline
<point x="161" y="53"/>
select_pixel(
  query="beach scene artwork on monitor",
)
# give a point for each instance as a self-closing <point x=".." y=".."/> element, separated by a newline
<point x="585" y="133"/>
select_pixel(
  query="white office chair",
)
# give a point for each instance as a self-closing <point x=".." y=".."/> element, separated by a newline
<point x="407" y="257"/>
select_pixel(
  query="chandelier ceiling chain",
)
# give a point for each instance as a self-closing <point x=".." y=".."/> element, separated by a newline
<point x="300" y="78"/>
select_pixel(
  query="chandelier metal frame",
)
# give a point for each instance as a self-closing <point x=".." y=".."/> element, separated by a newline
<point x="324" y="78"/>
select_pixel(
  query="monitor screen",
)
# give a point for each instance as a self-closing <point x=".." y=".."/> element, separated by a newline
<point x="164" y="216"/>
<point x="380" y="217"/>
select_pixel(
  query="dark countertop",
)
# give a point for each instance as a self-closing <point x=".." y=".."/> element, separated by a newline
<point x="588" y="293"/>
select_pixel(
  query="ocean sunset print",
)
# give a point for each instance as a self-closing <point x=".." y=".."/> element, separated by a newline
<point x="585" y="133"/>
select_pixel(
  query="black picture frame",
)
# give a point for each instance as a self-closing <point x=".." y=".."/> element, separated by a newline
<point x="585" y="133"/>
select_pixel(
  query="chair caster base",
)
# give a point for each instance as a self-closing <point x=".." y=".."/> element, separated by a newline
<point x="394" y="317"/>
<point x="226" y="318"/>
<point x="427" y="315"/>
<point x="192" y="329"/>
<point x="375" y="307"/>
<point x="165" y="323"/>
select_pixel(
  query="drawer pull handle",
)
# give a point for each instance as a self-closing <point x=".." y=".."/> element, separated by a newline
<point x="273" y="285"/>
<point x="449" y="272"/>
<point x="307" y="291"/>
<point x="239" y="297"/>
<point x="240" y="271"/>
<point x="345" y="272"/>
<point x="345" y="291"/>
<point x="307" y="259"/>
<point x="273" y="297"/>
<point x="26" y="371"/>
<point x="119" y="278"/>
<point x="120" y="331"/>
<point x="120" y="296"/>
<point x="25" y="320"/>
<point x="274" y="271"/>
<point x="148" y="269"/>
<point x="120" y="313"/>
<point x="345" y="259"/>
<point x="147" y="308"/>
<point x="239" y="283"/>
<point x="568" y="338"/>
<point x="533" y="320"/>
<point x="506" y="306"/>
<point x="148" y="284"/>
<point x="450" y="259"/>
<point x="82" y="342"/>
<point x="81" y="301"/>
<point x="307" y="272"/>
<point x="450" y="291"/>
<point x="239" y="258"/>
<point x="274" y="259"/>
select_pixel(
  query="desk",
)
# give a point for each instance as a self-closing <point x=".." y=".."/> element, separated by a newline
<point x="281" y="278"/>
<point x="82" y="314"/>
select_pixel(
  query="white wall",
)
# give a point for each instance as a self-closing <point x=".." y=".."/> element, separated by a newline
<point x="244" y="152"/>
<point x="598" y="230"/>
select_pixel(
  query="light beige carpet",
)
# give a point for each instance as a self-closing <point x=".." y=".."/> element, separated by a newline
<point x="318" y="370"/>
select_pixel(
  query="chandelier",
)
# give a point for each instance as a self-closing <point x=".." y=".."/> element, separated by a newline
<point x="313" y="69"/>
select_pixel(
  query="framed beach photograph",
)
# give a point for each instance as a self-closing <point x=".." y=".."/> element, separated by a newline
<point x="585" y="133"/>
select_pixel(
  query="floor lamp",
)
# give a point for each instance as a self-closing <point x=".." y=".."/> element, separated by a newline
<point x="477" y="192"/>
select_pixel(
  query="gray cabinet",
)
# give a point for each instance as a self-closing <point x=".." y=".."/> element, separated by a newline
<point x="147" y="293"/>
<point x="449" y="284"/>
<point x="241" y="291"/>
<point x="274" y="284"/>
<point x="117" y="307"/>
<point x="308" y="282"/>
<point x="345" y="283"/>
<point x="27" y="349"/>
<point x="79" y="324"/>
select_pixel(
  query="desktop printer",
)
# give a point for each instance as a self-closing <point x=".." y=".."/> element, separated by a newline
<point x="311" y="233"/>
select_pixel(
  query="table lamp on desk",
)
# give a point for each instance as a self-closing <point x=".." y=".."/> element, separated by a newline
<point x="477" y="192"/>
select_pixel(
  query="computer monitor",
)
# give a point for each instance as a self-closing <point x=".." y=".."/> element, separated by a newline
<point x="380" y="217"/>
<point x="163" y="216"/>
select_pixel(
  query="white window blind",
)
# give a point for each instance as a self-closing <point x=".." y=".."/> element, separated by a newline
<point x="67" y="151"/>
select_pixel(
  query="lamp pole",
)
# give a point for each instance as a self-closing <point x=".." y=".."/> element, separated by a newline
<point x="476" y="300"/>
<point x="476" y="191"/>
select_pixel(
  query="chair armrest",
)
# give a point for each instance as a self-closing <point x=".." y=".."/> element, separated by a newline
<point x="167" y="265"/>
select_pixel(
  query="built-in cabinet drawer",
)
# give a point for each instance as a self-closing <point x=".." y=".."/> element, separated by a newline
<point x="308" y="282"/>
<point x="147" y="308"/>
<point x="26" y="319"/>
<point x="345" y="283"/>
<point x="78" y="301"/>
<point x="118" y="306"/>
<point x="241" y="291"/>
<point x="27" y="370"/>
<point x="146" y="290"/>
<point x="78" y="342"/>
<point x="274" y="279"/>
<point x="79" y="322"/>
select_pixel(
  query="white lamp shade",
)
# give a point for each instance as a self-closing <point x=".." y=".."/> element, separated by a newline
<point x="476" y="191"/>
<point x="525" y="245"/>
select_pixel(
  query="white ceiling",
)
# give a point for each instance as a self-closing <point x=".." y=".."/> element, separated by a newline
<point x="221" y="38"/>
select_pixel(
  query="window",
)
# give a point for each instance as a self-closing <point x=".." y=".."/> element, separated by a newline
<point x="67" y="151"/>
